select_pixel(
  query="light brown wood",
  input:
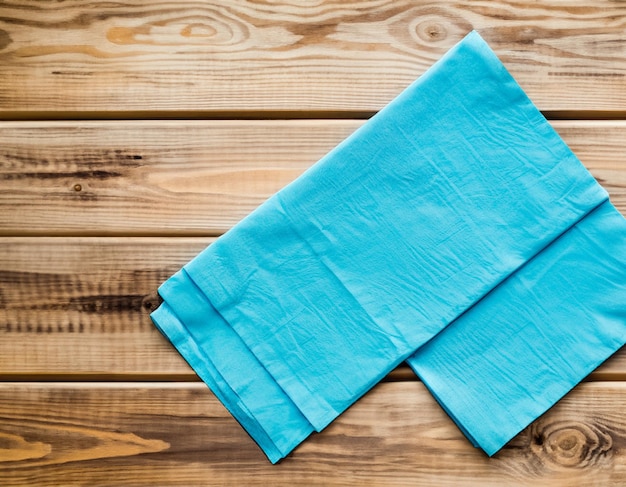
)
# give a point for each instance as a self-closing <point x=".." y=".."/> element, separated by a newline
<point x="135" y="55"/>
<point x="79" y="307"/>
<point x="179" y="434"/>
<point x="193" y="177"/>
<point x="94" y="215"/>
<point x="150" y="177"/>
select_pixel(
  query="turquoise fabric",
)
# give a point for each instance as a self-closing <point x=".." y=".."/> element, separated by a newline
<point x="515" y="353"/>
<point x="420" y="214"/>
<point x="238" y="379"/>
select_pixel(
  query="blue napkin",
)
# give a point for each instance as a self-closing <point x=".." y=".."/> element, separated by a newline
<point x="535" y="336"/>
<point x="223" y="362"/>
<point x="371" y="253"/>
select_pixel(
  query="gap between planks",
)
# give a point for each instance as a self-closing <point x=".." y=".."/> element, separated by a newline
<point x="402" y="373"/>
<point x="182" y="115"/>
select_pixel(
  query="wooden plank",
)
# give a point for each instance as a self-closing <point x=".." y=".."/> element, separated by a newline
<point x="74" y="306"/>
<point x="150" y="177"/>
<point x="193" y="177"/>
<point x="236" y="55"/>
<point x="178" y="434"/>
<point x="79" y="308"/>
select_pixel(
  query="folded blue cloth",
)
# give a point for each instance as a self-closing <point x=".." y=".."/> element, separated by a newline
<point x="222" y="360"/>
<point x="315" y="296"/>
<point x="517" y="351"/>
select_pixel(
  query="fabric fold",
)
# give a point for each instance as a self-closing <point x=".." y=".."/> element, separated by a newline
<point x="349" y="269"/>
<point x="515" y="353"/>
<point x="400" y="230"/>
<point x="223" y="362"/>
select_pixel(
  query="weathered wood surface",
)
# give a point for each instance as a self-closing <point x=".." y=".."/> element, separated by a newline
<point x="81" y="306"/>
<point x="75" y="306"/>
<point x="179" y="434"/>
<point x="94" y="215"/>
<point x="333" y="56"/>
<point x="193" y="177"/>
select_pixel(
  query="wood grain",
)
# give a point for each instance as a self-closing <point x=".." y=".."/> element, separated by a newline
<point x="75" y="306"/>
<point x="79" y="308"/>
<point x="214" y="57"/>
<point x="179" y="434"/>
<point x="94" y="215"/>
<point x="193" y="177"/>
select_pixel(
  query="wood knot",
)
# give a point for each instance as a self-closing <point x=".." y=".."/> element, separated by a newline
<point x="525" y="35"/>
<point x="5" y="39"/>
<point x="431" y="31"/>
<point x="570" y="444"/>
<point x="152" y="302"/>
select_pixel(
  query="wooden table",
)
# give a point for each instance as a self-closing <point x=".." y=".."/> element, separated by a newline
<point x="135" y="132"/>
